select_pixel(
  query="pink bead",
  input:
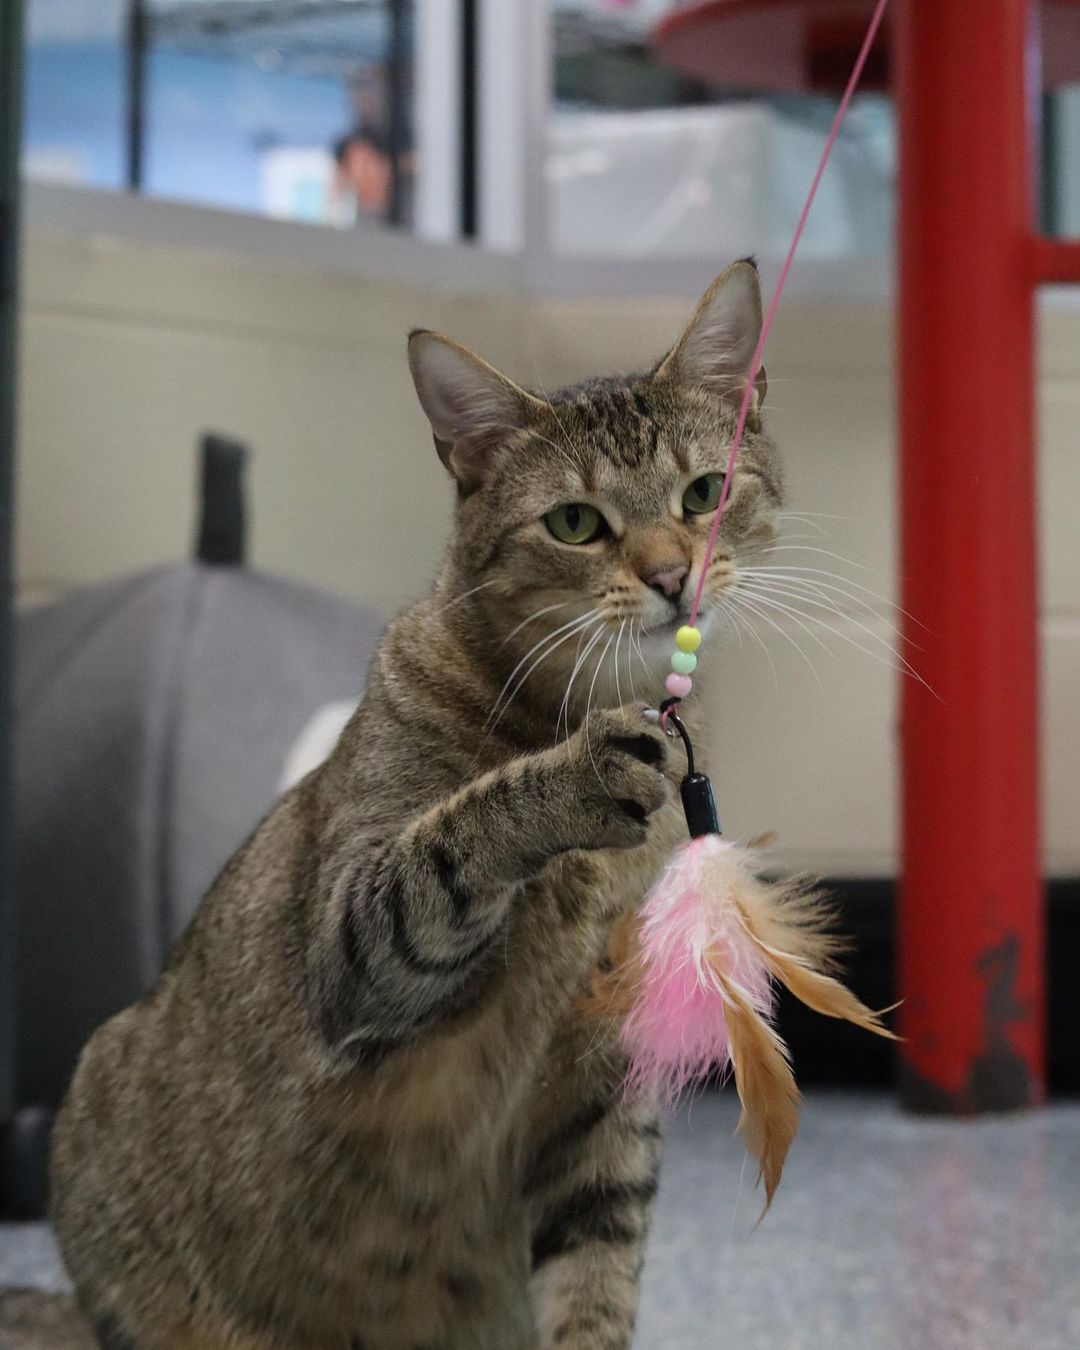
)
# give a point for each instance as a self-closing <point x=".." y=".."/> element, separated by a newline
<point x="678" y="686"/>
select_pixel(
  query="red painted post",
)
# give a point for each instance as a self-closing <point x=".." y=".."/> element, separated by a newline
<point x="1055" y="261"/>
<point x="971" y="916"/>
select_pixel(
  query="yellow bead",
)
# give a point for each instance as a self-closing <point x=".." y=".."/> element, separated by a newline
<point x="687" y="639"/>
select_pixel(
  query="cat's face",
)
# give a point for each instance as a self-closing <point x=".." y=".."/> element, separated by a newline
<point x="583" y="515"/>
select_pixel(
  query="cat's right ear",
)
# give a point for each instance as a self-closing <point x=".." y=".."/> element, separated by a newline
<point x="718" y="344"/>
<point x="470" y="406"/>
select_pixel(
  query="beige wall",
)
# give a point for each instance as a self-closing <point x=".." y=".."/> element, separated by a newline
<point x="130" y="351"/>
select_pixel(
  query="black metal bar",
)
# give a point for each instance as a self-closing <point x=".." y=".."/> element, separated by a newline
<point x="10" y="147"/>
<point x="138" y="39"/>
<point x="222" y="538"/>
<point x="470" y="119"/>
<point x="1050" y="168"/>
<point x="397" y="128"/>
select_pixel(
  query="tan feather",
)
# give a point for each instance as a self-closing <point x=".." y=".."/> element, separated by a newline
<point x="822" y="993"/>
<point x="788" y="923"/>
<point x="769" y="1120"/>
<point x="791" y="916"/>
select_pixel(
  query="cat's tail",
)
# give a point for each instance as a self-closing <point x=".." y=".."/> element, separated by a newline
<point x="33" y="1320"/>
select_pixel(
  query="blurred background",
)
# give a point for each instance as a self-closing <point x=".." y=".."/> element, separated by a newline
<point x="538" y="181"/>
<point x="232" y="212"/>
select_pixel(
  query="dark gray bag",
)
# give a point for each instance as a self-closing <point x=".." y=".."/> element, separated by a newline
<point x="154" y="718"/>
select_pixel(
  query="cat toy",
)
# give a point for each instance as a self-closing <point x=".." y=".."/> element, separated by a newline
<point x="713" y="940"/>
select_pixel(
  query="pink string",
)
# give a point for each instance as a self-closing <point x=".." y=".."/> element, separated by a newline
<point x="774" y="303"/>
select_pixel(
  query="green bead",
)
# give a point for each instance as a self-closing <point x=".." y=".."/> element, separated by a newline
<point x="687" y="639"/>
<point x="683" y="663"/>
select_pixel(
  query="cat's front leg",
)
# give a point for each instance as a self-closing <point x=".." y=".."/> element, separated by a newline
<point x="591" y="1186"/>
<point x="411" y="923"/>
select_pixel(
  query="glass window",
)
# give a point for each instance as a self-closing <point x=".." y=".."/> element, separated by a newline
<point x="74" y="92"/>
<point x="299" y="109"/>
<point x="304" y="110"/>
<point x="644" y="159"/>
<point x="1061" y="163"/>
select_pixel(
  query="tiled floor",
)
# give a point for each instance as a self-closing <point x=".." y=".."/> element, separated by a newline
<point x="888" y="1234"/>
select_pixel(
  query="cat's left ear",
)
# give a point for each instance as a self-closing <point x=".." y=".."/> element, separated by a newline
<point x="470" y="406"/>
<point x="718" y="344"/>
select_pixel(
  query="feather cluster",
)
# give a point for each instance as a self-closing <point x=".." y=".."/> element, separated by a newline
<point x="712" y="940"/>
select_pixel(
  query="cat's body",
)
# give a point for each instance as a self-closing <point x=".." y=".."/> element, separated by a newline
<point x="362" y="1109"/>
<point x="399" y="1193"/>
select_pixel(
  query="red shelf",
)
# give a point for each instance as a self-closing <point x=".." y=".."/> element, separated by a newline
<point x="790" y="46"/>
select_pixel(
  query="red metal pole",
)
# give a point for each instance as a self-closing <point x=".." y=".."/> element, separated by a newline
<point x="1055" y="261"/>
<point x="971" y="916"/>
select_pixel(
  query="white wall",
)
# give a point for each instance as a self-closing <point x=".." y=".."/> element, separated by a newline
<point x="131" y="350"/>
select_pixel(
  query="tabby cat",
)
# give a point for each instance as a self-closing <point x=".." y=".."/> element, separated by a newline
<point x="363" y="1108"/>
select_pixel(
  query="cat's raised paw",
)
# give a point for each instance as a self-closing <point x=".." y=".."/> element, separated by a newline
<point x="620" y="760"/>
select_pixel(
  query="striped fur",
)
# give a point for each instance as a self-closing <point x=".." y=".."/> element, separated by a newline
<point x="362" y="1109"/>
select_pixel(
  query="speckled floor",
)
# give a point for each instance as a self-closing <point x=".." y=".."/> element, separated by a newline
<point x="888" y="1234"/>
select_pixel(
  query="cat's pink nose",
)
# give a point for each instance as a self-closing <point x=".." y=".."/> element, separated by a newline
<point x="668" y="582"/>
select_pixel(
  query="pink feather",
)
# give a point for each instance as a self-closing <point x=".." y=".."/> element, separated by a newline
<point x="677" y="1030"/>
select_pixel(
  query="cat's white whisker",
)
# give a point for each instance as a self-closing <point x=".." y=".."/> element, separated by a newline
<point x="815" y="593"/>
<point x="641" y="650"/>
<point x="588" y="705"/>
<point x="548" y="609"/>
<point x="814" y="548"/>
<point x="581" y="658"/>
<point x="615" y="658"/>
<point x="720" y="604"/>
<point x="567" y="630"/>
<point x="795" y="577"/>
<point x="749" y="605"/>
<point x="815" y="515"/>
<point x="549" y="651"/>
<point x="630" y="660"/>
<point x="807" y="521"/>
<point x="764" y="598"/>
<point x="794" y="593"/>
<point x="581" y="638"/>
<point x="465" y="595"/>
<point x="741" y="621"/>
<point x="812" y="600"/>
<point x="546" y="638"/>
<point x="729" y="616"/>
<point x="898" y="663"/>
<point x="789" y="569"/>
<point x="792" y="539"/>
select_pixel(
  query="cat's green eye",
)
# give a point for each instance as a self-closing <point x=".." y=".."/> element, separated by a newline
<point x="575" y="523"/>
<point x="703" y="494"/>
